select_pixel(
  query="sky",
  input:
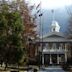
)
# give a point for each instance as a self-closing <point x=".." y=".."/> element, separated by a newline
<point x="51" y="4"/>
<point x="57" y="5"/>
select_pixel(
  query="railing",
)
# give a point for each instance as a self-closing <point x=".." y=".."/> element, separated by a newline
<point x="55" y="50"/>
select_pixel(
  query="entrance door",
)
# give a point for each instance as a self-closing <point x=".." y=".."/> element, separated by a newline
<point x="62" y="58"/>
<point x="46" y="59"/>
<point x="54" y="58"/>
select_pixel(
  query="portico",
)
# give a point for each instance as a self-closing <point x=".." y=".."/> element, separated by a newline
<point x="54" y="57"/>
<point x="55" y="54"/>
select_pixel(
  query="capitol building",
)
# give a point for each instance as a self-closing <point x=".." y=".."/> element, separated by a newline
<point x="54" y="48"/>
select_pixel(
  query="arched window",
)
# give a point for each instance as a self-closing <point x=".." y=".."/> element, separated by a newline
<point x="53" y="29"/>
<point x="50" y="45"/>
<point x="57" y="45"/>
<point x="61" y="46"/>
<point x="54" y="46"/>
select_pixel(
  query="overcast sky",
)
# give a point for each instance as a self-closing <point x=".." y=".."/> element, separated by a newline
<point x="51" y="4"/>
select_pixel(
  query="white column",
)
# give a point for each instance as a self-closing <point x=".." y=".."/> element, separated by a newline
<point x="65" y="53"/>
<point x="57" y="59"/>
<point x="50" y="59"/>
<point x="43" y="59"/>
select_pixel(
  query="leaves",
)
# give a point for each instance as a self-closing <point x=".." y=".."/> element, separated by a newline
<point x="11" y="29"/>
<point x="14" y="32"/>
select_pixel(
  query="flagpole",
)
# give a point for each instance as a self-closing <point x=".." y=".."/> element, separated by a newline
<point x="53" y="13"/>
<point x="41" y="31"/>
<point x="39" y="11"/>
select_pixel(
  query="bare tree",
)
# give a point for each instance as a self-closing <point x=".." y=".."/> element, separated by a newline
<point x="69" y="22"/>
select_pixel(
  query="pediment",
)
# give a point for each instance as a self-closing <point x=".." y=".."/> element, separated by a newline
<point x="55" y="35"/>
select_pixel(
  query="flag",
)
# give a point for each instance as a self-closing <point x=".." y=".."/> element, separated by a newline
<point x="40" y="14"/>
<point x="38" y="5"/>
<point x="38" y="11"/>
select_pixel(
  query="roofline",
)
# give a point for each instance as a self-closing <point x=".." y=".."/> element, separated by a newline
<point x="70" y="41"/>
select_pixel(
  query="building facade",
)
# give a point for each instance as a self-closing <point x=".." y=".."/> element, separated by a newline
<point x="54" y="48"/>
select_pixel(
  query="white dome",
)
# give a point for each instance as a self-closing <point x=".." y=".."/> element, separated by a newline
<point x="55" y="23"/>
<point x="55" y="26"/>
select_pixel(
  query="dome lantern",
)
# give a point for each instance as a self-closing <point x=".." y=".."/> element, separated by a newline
<point x="55" y="26"/>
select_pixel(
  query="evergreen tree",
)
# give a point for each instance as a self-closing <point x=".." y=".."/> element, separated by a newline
<point x="16" y="26"/>
<point x="11" y="36"/>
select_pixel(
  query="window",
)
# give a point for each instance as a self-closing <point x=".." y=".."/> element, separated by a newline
<point x="61" y="46"/>
<point x="54" y="46"/>
<point x="53" y="29"/>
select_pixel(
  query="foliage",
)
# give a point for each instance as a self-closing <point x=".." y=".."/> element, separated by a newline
<point x="29" y="27"/>
<point x="65" y="66"/>
<point x="11" y="38"/>
<point x="16" y="26"/>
